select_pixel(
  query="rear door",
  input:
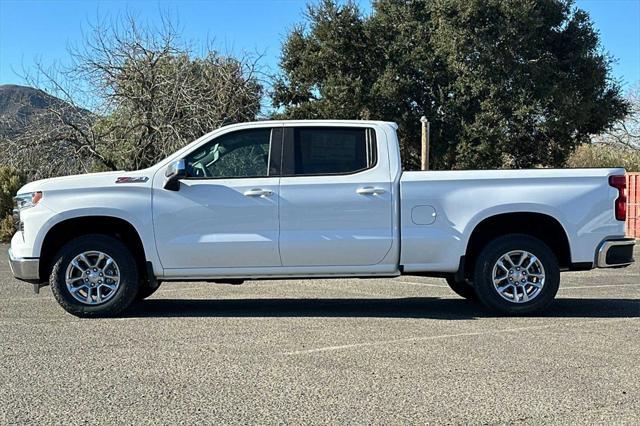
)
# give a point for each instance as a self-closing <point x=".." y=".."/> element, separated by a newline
<point x="335" y="197"/>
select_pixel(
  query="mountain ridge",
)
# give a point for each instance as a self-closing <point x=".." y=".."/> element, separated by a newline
<point x="21" y="106"/>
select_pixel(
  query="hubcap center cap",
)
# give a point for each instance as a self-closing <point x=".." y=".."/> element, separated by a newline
<point x="517" y="276"/>
<point x="94" y="277"/>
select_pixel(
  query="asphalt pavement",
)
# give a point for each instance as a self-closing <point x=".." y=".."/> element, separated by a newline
<point x="357" y="351"/>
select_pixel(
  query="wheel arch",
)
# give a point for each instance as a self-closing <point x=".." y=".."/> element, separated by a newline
<point x="543" y="226"/>
<point x="65" y="230"/>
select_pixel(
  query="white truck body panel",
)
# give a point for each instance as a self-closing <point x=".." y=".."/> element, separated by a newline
<point x="579" y="199"/>
<point x="94" y="194"/>
<point x="322" y="225"/>
<point x="324" y="221"/>
<point x="212" y="224"/>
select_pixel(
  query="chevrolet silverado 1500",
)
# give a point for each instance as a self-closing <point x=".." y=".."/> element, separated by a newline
<point x="304" y="199"/>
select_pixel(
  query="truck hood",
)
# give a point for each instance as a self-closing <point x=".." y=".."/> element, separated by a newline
<point x="90" y="180"/>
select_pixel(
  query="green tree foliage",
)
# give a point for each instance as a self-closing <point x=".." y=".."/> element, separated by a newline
<point x="505" y="83"/>
<point x="617" y="146"/>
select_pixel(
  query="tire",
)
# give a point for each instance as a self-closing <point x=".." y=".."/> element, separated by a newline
<point x="463" y="289"/>
<point x="146" y="291"/>
<point x="105" y="298"/>
<point x="541" y="276"/>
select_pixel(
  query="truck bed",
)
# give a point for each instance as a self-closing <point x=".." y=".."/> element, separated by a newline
<point x="439" y="209"/>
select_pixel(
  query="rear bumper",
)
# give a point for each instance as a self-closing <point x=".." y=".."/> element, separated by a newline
<point x="615" y="253"/>
<point x="25" y="269"/>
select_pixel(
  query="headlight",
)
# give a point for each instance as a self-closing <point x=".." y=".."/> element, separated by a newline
<point x="30" y="199"/>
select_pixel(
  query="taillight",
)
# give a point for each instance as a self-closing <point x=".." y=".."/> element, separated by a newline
<point x="620" y="183"/>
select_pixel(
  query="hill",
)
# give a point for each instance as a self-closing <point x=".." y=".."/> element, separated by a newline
<point x="21" y="106"/>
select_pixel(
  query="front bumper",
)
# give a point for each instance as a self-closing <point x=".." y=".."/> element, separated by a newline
<point x="615" y="253"/>
<point x="25" y="269"/>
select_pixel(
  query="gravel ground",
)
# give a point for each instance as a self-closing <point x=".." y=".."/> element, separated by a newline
<point x="370" y="351"/>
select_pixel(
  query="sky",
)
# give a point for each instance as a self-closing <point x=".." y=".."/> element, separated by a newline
<point x="41" y="30"/>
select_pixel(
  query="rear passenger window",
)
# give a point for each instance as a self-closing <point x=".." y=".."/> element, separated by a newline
<point x="328" y="151"/>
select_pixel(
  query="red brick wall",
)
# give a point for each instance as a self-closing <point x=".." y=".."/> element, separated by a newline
<point x="633" y="205"/>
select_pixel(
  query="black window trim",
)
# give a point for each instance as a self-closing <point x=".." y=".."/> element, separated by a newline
<point x="278" y="145"/>
<point x="288" y="143"/>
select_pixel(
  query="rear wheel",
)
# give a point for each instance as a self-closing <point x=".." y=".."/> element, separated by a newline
<point x="462" y="288"/>
<point x="94" y="276"/>
<point x="516" y="274"/>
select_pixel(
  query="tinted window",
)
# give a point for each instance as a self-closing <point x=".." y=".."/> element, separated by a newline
<point x="322" y="150"/>
<point x="239" y="154"/>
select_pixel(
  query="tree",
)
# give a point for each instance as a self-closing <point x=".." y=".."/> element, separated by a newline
<point x="148" y="94"/>
<point x="624" y="133"/>
<point x="617" y="146"/>
<point x="505" y="83"/>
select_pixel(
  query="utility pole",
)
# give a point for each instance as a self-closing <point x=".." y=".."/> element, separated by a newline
<point x="424" y="164"/>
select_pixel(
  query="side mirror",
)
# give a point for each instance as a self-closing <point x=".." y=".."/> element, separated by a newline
<point x="175" y="171"/>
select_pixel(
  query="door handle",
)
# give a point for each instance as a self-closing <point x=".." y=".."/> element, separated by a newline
<point x="258" y="192"/>
<point x="369" y="190"/>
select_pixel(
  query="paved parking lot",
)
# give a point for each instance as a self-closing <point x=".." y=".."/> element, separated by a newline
<point x="405" y="350"/>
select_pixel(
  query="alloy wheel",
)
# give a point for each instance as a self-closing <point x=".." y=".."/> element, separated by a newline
<point x="518" y="276"/>
<point x="92" y="277"/>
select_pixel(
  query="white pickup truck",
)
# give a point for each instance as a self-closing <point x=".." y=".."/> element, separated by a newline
<point x="304" y="199"/>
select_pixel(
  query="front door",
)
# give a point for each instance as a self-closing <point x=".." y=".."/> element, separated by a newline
<point x="335" y="197"/>
<point x="225" y="214"/>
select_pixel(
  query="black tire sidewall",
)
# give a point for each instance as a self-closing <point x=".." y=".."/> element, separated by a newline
<point x="129" y="279"/>
<point x="146" y="291"/>
<point x="463" y="289"/>
<point x="483" y="275"/>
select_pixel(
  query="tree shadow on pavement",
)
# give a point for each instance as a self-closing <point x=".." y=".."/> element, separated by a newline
<point x="414" y="307"/>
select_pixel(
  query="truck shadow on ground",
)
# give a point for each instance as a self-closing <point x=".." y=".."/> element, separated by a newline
<point x="415" y="307"/>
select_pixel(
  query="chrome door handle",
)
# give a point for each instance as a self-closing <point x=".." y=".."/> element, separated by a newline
<point x="369" y="190"/>
<point x="258" y="192"/>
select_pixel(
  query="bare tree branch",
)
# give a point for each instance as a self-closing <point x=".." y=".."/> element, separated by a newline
<point x="149" y="95"/>
<point x="625" y="133"/>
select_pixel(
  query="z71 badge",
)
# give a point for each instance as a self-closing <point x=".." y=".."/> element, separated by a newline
<point x="129" y="179"/>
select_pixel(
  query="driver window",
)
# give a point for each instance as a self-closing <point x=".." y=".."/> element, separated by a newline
<point x="238" y="154"/>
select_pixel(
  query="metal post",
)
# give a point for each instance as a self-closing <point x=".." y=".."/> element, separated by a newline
<point x="424" y="164"/>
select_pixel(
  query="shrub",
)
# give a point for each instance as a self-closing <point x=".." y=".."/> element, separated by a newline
<point x="10" y="182"/>
<point x="600" y="155"/>
<point x="7" y="229"/>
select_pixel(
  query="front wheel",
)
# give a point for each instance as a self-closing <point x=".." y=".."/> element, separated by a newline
<point x="94" y="276"/>
<point x="146" y="290"/>
<point x="516" y="274"/>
